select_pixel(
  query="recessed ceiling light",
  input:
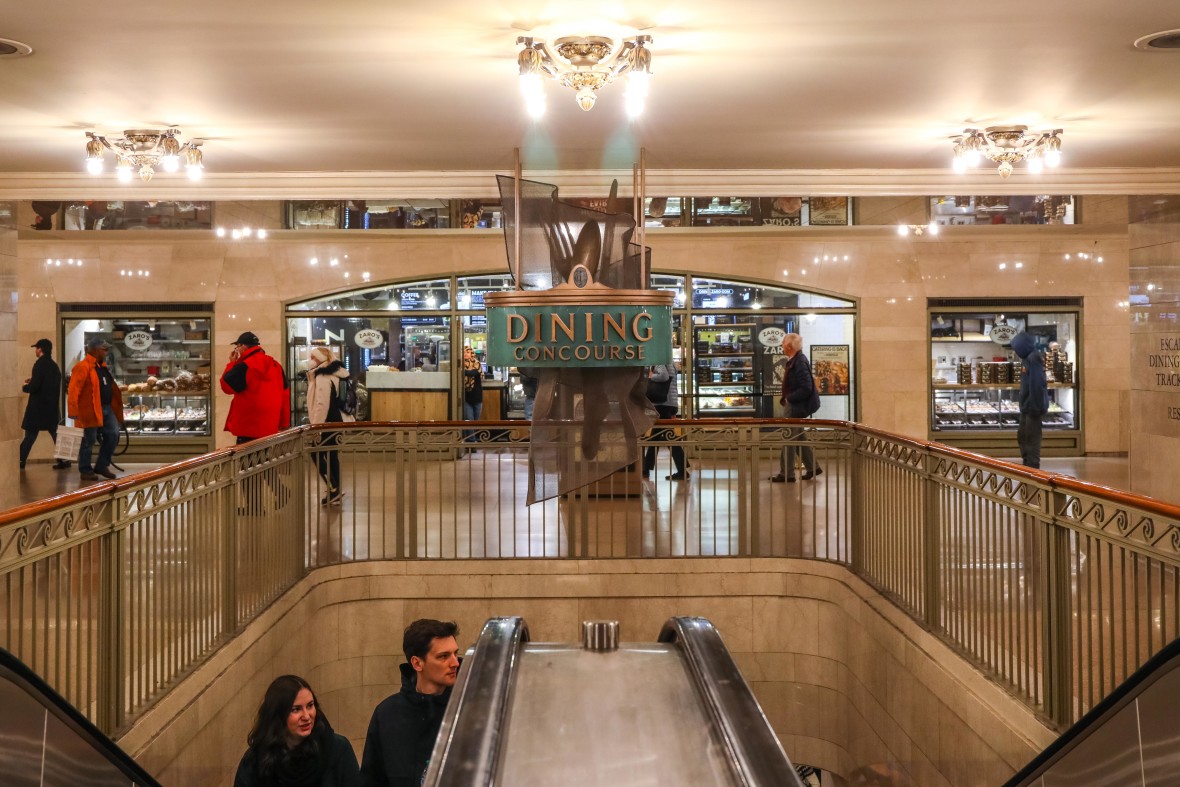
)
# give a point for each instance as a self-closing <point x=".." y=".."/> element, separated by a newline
<point x="10" y="48"/>
<point x="1159" y="42"/>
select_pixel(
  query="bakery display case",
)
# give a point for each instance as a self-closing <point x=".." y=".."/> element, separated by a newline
<point x="724" y="381"/>
<point x="975" y="377"/>
<point x="162" y="364"/>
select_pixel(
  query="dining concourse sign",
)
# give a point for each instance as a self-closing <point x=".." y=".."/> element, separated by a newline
<point x="599" y="327"/>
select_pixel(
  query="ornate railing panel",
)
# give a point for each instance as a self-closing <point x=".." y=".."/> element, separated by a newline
<point x="1056" y="588"/>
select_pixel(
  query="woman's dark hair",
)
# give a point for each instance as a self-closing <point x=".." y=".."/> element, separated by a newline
<point x="268" y="736"/>
<point x="419" y="634"/>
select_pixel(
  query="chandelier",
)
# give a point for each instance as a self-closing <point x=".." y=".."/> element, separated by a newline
<point x="584" y="64"/>
<point x="1007" y="145"/>
<point x="145" y="150"/>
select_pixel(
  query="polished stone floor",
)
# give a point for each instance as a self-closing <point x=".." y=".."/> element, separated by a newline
<point x="40" y="480"/>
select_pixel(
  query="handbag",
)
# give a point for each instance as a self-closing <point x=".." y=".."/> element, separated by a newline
<point x="657" y="391"/>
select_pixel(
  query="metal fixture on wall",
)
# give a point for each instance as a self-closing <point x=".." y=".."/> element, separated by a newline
<point x="145" y="150"/>
<point x="584" y="64"/>
<point x="1007" y="145"/>
<point x="918" y="229"/>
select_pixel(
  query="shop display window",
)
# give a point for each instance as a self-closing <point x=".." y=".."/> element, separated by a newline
<point x="1016" y="209"/>
<point x="162" y="365"/>
<point x="747" y="211"/>
<point x="975" y="375"/>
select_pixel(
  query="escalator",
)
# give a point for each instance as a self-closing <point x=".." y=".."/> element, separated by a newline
<point x="46" y="742"/>
<point x="600" y="712"/>
<point x="1128" y="738"/>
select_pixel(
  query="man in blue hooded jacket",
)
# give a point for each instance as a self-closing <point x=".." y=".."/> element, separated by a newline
<point x="1034" y="398"/>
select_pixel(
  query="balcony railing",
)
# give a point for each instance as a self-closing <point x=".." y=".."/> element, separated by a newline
<point x="1056" y="588"/>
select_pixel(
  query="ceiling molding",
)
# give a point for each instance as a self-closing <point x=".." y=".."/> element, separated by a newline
<point x="590" y="183"/>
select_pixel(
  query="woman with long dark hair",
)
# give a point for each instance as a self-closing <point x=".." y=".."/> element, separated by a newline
<point x="293" y="745"/>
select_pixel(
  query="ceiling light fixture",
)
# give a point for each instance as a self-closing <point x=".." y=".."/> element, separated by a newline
<point x="1007" y="145"/>
<point x="145" y="150"/>
<point x="585" y="64"/>
<point x="918" y="229"/>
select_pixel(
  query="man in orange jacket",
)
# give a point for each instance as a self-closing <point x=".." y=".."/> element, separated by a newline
<point x="94" y="403"/>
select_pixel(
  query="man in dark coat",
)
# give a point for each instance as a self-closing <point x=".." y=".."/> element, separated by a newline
<point x="404" y="726"/>
<point x="1034" y="398"/>
<point x="43" y="411"/>
<point x="801" y="398"/>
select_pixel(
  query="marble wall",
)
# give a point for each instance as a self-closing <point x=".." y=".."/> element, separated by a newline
<point x="891" y="277"/>
<point x="848" y="682"/>
<point x="12" y="401"/>
<point x="1155" y="345"/>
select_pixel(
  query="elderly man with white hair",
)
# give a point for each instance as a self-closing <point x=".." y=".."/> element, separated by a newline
<point x="801" y="398"/>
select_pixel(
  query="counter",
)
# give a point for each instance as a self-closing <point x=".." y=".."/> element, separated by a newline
<point x="409" y="396"/>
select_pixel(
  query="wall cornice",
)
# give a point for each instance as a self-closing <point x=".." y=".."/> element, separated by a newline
<point x="587" y="183"/>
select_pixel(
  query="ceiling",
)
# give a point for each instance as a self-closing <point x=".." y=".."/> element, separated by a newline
<point x="775" y="89"/>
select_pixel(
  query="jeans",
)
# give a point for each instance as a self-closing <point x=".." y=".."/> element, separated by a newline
<point x="26" y="445"/>
<point x="1028" y="437"/>
<point x="471" y="412"/>
<point x="786" y="462"/>
<point x="106" y="450"/>
<point x="328" y="463"/>
<point x="663" y="435"/>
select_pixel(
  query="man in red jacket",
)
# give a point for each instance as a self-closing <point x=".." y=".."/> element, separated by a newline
<point x="260" y="406"/>
<point x="93" y="401"/>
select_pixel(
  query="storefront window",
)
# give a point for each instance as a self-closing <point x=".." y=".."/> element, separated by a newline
<point x="163" y="367"/>
<point x="129" y="215"/>
<point x="1017" y="209"/>
<point x="726" y="340"/>
<point x="747" y="211"/>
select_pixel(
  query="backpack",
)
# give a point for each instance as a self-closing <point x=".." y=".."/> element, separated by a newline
<point x="346" y="396"/>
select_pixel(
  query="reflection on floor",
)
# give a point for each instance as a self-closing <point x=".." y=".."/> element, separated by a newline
<point x="40" y="481"/>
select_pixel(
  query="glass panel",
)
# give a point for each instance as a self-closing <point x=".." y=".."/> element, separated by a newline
<point x="975" y="379"/>
<point x="428" y="214"/>
<point x="480" y="213"/>
<point x="415" y="343"/>
<point x="719" y="294"/>
<point x="312" y="215"/>
<point x="432" y="295"/>
<point x="1017" y="209"/>
<point x="128" y="215"/>
<point x="738" y="365"/>
<point x="663" y="212"/>
<point x="473" y="288"/>
<point x="666" y="282"/>
<point x="162" y="366"/>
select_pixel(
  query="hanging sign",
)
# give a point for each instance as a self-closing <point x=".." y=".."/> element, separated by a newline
<point x="137" y="340"/>
<point x="1002" y="333"/>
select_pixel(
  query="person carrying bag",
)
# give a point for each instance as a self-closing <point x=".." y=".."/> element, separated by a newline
<point x="801" y="398"/>
<point x="663" y="392"/>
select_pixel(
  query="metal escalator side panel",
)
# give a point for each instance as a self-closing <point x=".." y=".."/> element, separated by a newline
<point x="467" y="751"/>
<point x="753" y="750"/>
<point x="45" y="739"/>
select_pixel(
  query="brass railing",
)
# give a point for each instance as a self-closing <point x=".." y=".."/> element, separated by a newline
<point x="1056" y="588"/>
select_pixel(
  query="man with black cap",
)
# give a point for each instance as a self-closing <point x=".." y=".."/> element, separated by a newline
<point x="260" y="406"/>
<point x="43" y="410"/>
<point x="94" y="403"/>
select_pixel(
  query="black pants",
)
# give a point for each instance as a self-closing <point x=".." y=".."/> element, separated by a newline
<point x="26" y="445"/>
<point x="1028" y="437"/>
<point x="328" y="463"/>
<point x="663" y="435"/>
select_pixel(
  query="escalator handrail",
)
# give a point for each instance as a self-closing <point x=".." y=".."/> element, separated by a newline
<point x="467" y="751"/>
<point x="1152" y="670"/>
<point x="752" y="749"/>
<point x="16" y="672"/>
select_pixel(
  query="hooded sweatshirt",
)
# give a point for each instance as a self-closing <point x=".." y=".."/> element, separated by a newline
<point x="1034" y="390"/>
<point x="401" y="735"/>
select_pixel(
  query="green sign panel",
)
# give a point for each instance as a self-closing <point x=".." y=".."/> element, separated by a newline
<point x="579" y="335"/>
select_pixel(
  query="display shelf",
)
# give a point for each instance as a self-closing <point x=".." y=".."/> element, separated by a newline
<point x="990" y="386"/>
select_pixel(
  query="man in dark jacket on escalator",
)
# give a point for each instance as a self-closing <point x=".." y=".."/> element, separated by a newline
<point x="1034" y="398"/>
<point x="404" y="726"/>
